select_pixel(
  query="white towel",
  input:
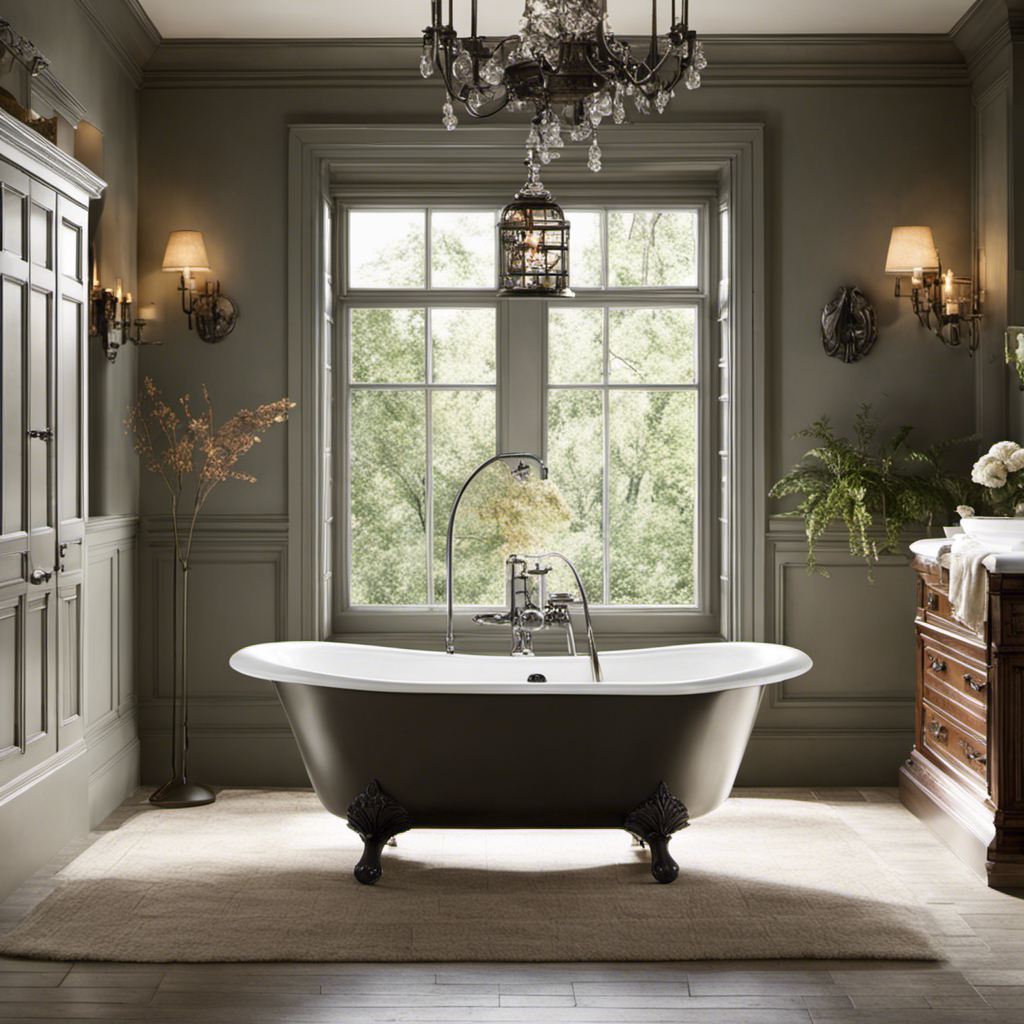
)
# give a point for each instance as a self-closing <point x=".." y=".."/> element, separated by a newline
<point x="968" y="582"/>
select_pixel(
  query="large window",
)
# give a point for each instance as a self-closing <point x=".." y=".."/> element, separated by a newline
<point x="615" y="387"/>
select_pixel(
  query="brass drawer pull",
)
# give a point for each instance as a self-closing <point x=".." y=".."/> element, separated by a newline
<point x="972" y="754"/>
<point x="936" y="664"/>
<point x="976" y="685"/>
<point x="938" y="731"/>
<point x="933" y="602"/>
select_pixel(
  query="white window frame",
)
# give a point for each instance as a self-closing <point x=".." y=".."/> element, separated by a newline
<point x="525" y="404"/>
<point x="362" y="161"/>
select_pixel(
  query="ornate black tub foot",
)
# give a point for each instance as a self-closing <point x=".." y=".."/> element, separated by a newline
<point x="376" y="819"/>
<point x="653" y="822"/>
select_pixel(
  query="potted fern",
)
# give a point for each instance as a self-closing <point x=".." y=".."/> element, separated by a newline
<point x="866" y="479"/>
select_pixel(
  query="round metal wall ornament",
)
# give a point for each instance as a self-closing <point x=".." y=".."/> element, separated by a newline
<point x="848" y="326"/>
<point x="215" y="316"/>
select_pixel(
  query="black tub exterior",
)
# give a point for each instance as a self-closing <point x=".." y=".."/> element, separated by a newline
<point x="520" y="760"/>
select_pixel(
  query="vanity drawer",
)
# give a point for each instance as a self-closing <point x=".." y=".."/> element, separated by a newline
<point x="934" y="606"/>
<point x="970" y="716"/>
<point x="953" y="745"/>
<point x="948" y="671"/>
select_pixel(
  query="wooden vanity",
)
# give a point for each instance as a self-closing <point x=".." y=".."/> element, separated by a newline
<point x="965" y="775"/>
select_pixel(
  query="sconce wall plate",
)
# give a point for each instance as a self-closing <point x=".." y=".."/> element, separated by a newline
<point x="848" y="325"/>
<point x="215" y="315"/>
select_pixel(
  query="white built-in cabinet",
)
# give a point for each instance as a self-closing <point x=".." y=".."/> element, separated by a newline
<point x="44" y="294"/>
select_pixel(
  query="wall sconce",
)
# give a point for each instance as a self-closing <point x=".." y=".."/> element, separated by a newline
<point x="111" y="318"/>
<point x="952" y="301"/>
<point x="215" y="314"/>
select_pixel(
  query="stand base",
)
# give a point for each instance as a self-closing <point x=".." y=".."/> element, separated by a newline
<point x="179" y="793"/>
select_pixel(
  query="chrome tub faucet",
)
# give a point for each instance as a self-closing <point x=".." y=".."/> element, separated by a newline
<point x="523" y="587"/>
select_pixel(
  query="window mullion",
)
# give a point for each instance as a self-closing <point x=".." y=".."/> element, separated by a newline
<point x="522" y="360"/>
<point x="428" y="427"/>
<point x="606" y="597"/>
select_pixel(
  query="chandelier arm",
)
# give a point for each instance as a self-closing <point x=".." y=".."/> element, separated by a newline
<point x="490" y="113"/>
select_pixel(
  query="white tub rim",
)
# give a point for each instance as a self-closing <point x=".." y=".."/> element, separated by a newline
<point x="258" y="661"/>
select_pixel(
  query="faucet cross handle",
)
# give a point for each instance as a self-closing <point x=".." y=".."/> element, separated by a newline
<point x="562" y="599"/>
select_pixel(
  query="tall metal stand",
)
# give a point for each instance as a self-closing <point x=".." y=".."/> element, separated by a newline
<point x="178" y="791"/>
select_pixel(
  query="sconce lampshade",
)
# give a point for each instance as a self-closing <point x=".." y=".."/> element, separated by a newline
<point x="186" y="250"/>
<point x="910" y="249"/>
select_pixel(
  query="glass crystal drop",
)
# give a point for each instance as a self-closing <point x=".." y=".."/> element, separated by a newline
<point x="426" y="68"/>
<point x="618" y="107"/>
<point x="643" y="104"/>
<point x="545" y="155"/>
<point x="492" y="72"/>
<point x="661" y="101"/>
<point x="449" y="120"/>
<point x="463" y="68"/>
<point x="692" y="78"/>
<point x="699" y="60"/>
<point x="604" y="103"/>
<point x="579" y="132"/>
<point x="594" y="157"/>
<point x="533" y="138"/>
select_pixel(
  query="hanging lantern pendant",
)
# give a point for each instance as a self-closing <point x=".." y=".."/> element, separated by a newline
<point x="533" y="243"/>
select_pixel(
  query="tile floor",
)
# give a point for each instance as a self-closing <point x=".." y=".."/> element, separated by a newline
<point x="980" y="931"/>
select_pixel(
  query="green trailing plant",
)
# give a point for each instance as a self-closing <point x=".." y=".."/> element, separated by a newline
<point x="869" y="479"/>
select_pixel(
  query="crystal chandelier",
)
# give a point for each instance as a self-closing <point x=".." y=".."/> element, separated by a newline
<point x="565" y="65"/>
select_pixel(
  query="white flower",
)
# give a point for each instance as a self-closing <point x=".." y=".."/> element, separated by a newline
<point x="1015" y="461"/>
<point x="964" y="511"/>
<point x="1020" y="347"/>
<point x="1002" y="450"/>
<point x="989" y="471"/>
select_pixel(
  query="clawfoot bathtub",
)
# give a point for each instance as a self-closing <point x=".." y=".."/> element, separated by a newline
<point x="394" y="739"/>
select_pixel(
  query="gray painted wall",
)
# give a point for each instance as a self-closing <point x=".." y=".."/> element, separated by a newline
<point x="848" y="156"/>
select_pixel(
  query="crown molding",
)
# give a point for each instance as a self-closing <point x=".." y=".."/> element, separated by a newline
<point x="126" y="29"/>
<point x="144" y="22"/>
<point x="985" y="33"/>
<point x="932" y="60"/>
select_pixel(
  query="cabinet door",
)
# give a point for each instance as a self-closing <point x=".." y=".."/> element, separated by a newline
<point x="71" y="332"/>
<point x="28" y="582"/>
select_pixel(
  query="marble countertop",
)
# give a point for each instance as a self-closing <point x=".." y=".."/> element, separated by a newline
<point x="933" y="548"/>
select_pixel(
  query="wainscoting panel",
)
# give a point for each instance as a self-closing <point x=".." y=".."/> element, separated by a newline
<point x="238" y="734"/>
<point x="850" y="719"/>
<point x="110" y="713"/>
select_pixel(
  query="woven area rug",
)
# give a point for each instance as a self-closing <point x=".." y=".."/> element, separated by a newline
<point x="267" y="875"/>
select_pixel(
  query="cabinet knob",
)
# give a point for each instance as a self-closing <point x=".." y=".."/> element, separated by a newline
<point x="971" y="754"/>
<point x="40" y="576"/>
<point x="42" y="435"/>
<point x="936" y="664"/>
<point x="938" y="731"/>
<point x="977" y="685"/>
<point x="933" y="602"/>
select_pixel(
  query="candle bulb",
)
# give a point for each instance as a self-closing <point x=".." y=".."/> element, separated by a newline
<point x="128" y="299"/>
<point x="117" y="289"/>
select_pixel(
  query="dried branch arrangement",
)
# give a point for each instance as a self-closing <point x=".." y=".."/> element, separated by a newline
<point x="192" y="455"/>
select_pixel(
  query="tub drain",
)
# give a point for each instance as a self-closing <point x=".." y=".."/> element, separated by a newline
<point x="536" y="678"/>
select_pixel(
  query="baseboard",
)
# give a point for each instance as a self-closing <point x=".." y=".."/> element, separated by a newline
<point x="39" y="819"/>
<point x="260" y="757"/>
<point x="824" y="757"/>
<point x="114" y="781"/>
